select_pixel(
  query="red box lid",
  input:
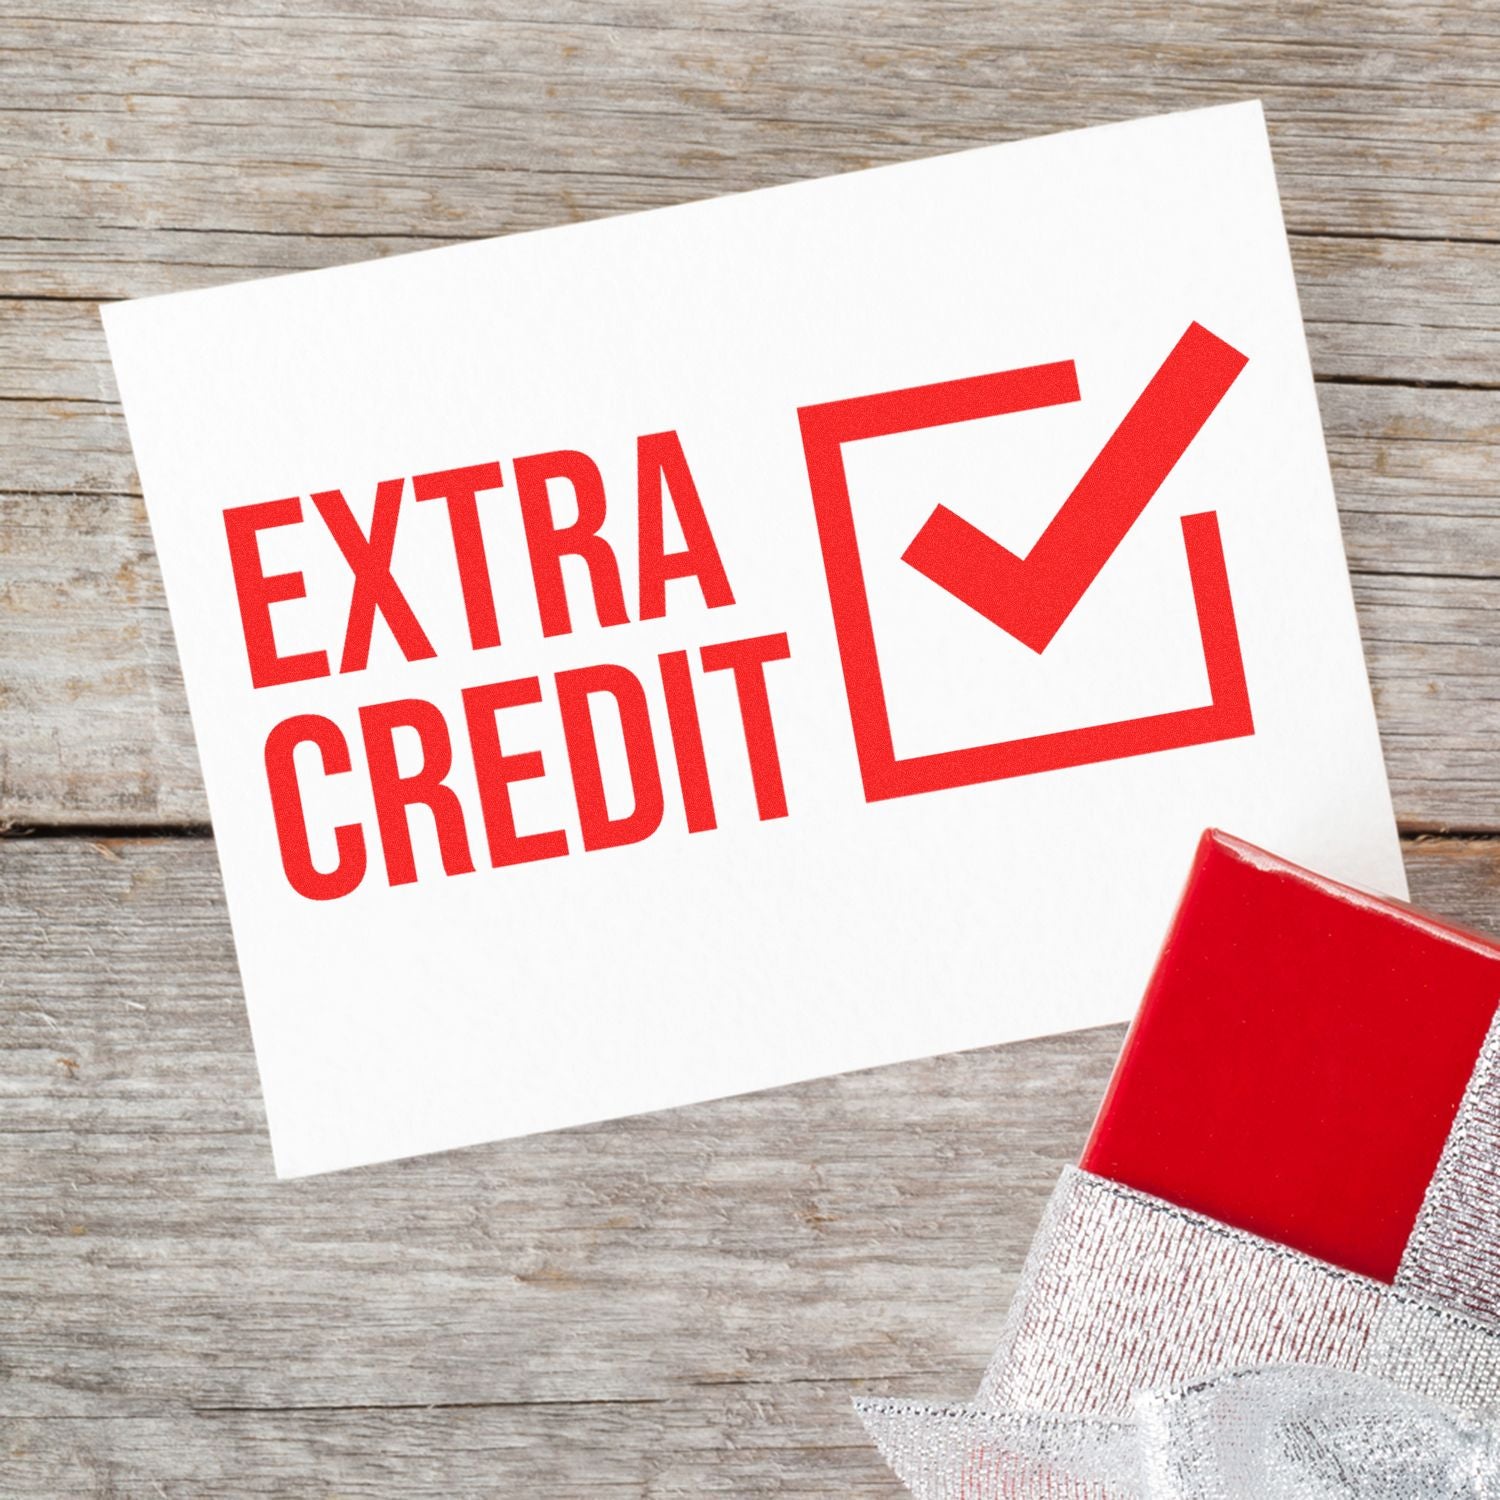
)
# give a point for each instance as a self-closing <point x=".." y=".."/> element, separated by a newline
<point x="1298" y="1058"/>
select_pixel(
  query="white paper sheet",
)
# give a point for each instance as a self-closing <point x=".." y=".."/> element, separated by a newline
<point x="921" y="893"/>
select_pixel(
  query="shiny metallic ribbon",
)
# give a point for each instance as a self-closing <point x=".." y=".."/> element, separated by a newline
<point x="1147" y="1347"/>
<point x="1283" y="1433"/>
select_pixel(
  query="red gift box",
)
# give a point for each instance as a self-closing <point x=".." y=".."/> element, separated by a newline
<point x="1298" y="1059"/>
<point x="1279" y="1261"/>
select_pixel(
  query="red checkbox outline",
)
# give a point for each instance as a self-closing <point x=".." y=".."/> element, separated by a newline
<point x="825" y="429"/>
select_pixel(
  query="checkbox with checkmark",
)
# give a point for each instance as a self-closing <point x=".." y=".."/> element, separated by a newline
<point x="1031" y="598"/>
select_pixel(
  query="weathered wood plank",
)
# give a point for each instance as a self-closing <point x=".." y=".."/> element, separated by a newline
<point x="793" y="1440"/>
<point x="379" y="117"/>
<point x="93" y="723"/>
<point x="93" y="727"/>
<point x="674" y="1304"/>
<point x="1376" y="310"/>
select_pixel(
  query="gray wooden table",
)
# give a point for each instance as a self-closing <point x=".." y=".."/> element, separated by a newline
<point x="685" y="1303"/>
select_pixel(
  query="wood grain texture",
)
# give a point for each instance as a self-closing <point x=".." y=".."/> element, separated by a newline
<point x="94" y="727"/>
<point x="677" y="1304"/>
<point x="680" y="1304"/>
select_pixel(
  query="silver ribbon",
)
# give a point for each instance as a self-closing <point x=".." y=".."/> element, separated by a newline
<point x="1317" y="1434"/>
<point x="1292" y="1432"/>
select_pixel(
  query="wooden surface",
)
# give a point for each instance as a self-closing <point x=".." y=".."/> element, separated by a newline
<point x="681" y="1304"/>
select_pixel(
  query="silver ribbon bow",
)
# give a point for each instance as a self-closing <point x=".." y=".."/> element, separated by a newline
<point x="1275" y="1433"/>
<point x="1314" y="1433"/>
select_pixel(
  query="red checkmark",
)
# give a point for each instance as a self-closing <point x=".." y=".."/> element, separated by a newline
<point x="1030" y="597"/>
<point x="830" y="425"/>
